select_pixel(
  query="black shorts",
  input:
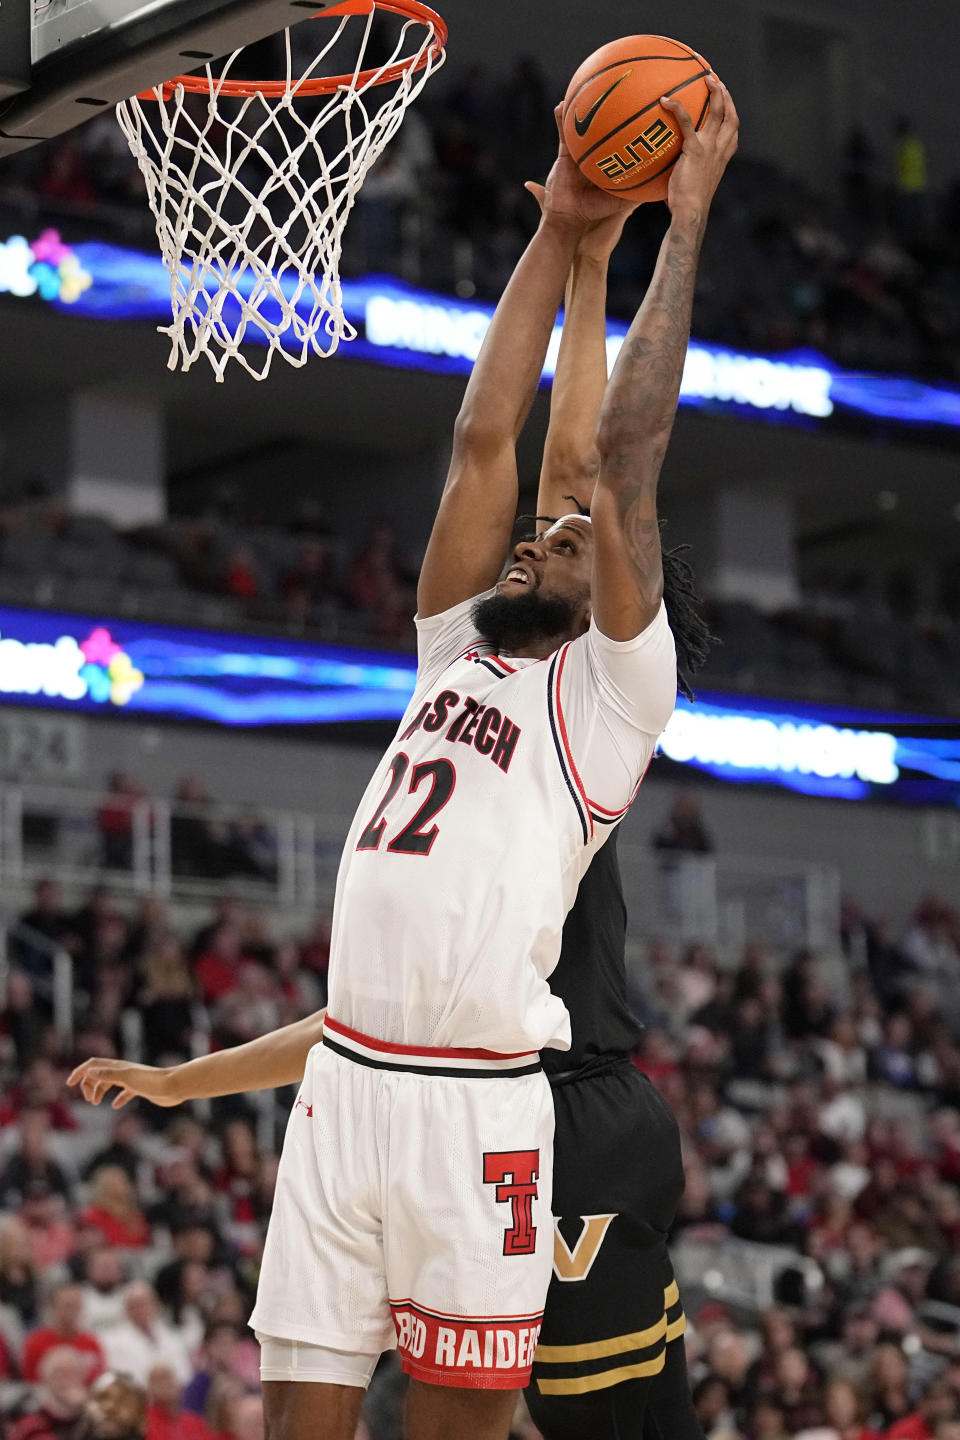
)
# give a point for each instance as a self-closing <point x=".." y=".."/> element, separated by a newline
<point x="613" y="1305"/>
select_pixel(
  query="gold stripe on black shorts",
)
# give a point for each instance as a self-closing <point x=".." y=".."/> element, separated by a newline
<point x="577" y="1369"/>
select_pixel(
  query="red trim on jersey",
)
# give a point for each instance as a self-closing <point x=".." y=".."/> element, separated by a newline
<point x="564" y="737"/>
<point x="612" y="814"/>
<point x="426" y="1051"/>
<point x="511" y="669"/>
<point x="617" y="814"/>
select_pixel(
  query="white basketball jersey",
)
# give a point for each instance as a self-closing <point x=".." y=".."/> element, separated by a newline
<point x="466" y="853"/>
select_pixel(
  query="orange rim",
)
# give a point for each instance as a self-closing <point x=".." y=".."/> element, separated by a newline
<point x="326" y="84"/>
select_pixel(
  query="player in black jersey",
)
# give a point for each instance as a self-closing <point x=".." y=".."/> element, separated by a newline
<point x="610" y="1363"/>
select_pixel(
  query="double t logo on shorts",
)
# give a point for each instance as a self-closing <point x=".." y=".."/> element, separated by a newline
<point x="515" y="1174"/>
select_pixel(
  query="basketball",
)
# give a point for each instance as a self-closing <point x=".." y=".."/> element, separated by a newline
<point x="613" y="123"/>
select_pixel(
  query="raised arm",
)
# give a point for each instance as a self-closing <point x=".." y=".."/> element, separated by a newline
<point x="471" y="534"/>
<point x="641" y="400"/>
<point x="571" y="460"/>
<point x="262" y="1064"/>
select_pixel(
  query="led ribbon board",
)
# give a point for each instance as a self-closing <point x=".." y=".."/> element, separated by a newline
<point x="402" y="326"/>
<point x="110" y="667"/>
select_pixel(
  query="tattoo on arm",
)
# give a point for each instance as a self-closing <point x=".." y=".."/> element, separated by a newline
<point x="641" y="404"/>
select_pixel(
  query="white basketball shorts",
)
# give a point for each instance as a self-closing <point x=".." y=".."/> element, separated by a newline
<point x="412" y="1210"/>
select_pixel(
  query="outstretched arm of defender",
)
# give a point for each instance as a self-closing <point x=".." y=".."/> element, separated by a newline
<point x="471" y="534"/>
<point x="262" y="1064"/>
<point x="641" y="399"/>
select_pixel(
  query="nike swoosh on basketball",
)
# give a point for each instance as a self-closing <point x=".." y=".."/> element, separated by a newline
<point x="582" y="126"/>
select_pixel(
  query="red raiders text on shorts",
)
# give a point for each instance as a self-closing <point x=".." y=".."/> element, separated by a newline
<point x="464" y="1352"/>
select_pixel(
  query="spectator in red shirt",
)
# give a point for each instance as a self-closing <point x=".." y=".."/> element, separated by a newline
<point x="380" y="583"/>
<point x="67" y="176"/>
<point x="315" y="950"/>
<point x="114" y="1210"/>
<point x="939" y="1403"/>
<point x="307" y="582"/>
<point x="115" y="821"/>
<point x="801" y="1165"/>
<point x="62" y="1329"/>
<point x="240" y="577"/>
<point x="217" y="970"/>
<point x="166" y="1418"/>
<point x="300" y="991"/>
<point x="240" y="1171"/>
<point x="7" y="1367"/>
<point x="58" y="1408"/>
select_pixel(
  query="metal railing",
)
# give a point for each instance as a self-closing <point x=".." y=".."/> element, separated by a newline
<point x="726" y="900"/>
<point x="742" y="1273"/>
<point x="154" y="847"/>
<point x="289" y="859"/>
<point x="51" y="980"/>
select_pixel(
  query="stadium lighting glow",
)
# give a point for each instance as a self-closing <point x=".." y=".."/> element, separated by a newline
<point x="432" y="328"/>
<point x="101" y="665"/>
<point x="426" y="326"/>
<point x="45" y="267"/>
<point x="755" y="743"/>
<point x="40" y="669"/>
<point x="402" y="326"/>
<point x="711" y="374"/>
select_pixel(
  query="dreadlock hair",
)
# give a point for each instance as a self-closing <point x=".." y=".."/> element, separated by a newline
<point x="691" y="632"/>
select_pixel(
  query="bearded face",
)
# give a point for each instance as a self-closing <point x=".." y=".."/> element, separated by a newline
<point x="512" y="623"/>
<point x="544" y="596"/>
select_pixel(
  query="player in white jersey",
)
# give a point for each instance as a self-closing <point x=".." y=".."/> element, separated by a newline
<point x="413" y="1200"/>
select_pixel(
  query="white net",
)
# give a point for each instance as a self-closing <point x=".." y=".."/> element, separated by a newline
<point x="251" y="194"/>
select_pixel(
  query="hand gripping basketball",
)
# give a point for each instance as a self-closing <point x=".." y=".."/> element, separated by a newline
<point x="706" y="152"/>
<point x="570" y="198"/>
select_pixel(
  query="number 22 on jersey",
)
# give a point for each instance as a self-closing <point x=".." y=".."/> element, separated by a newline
<point x="415" y="838"/>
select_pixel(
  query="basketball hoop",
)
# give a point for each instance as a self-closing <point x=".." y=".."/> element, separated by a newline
<point x="250" y="209"/>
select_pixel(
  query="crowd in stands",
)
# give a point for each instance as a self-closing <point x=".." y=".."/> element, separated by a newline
<point x="857" y="638"/>
<point x="221" y="570"/>
<point x="872" y="278"/>
<point x="818" y="1098"/>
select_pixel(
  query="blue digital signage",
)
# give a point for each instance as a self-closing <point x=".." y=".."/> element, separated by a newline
<point x="400" y="325"/>
<point x="110" y="666"/>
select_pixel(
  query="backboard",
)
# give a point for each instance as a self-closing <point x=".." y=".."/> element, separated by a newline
<point x="61" y="61"/>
